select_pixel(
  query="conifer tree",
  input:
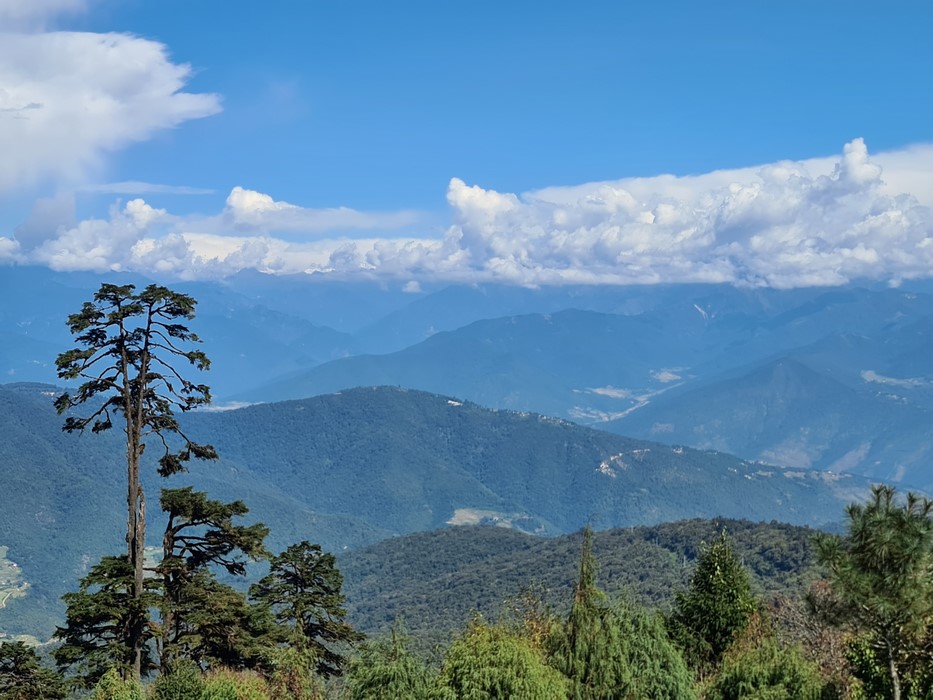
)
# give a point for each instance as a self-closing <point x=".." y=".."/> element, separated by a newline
<point x="203" y="619"/>
<point x="715" y="609"/>
<point x="385" y="669"/>
<point x="95" y="638"/>
<point x="588" y="648"/>
<point x="23" y="678"/>
<point x="489" y="662"/>
<point x="882" y="576"/>
<point x="615" y="650"/>
<point x="127" y="342"/>
<point x="303" y="591"/>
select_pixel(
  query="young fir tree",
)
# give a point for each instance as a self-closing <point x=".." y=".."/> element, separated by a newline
<point x="615" y="650"/>
<point x="385" y="669"/>
<point x="22" y="677"/>
<point x="882" y="576"/>
<point x="715" y="609"/>
<point x="303" y="591"/>
<point x="127" y="342"/>
<point x="588" y="648"/>
<point x="490" y="661"/>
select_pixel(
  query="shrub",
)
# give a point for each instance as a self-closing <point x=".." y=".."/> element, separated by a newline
<point x="112" y="687"/>
<point x="184" y="683"/>
<point x="230" y="685"/>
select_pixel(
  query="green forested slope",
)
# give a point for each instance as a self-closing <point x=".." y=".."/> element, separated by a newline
<point x="350" y="469"/>
<point x="436" y="580"/>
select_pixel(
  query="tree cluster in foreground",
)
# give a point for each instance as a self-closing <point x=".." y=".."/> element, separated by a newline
<point x="179" y="629"/>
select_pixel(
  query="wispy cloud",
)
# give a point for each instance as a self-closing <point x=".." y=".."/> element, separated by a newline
<point x="818" y="222"/>
<point x="136" y="188"/>
<point x="248" y="210"/>
<point x="36" y="13"/>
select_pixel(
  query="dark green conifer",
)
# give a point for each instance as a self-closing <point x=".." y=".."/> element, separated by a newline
<point x="384" y="669"/>
<point x="303" y="590"/>
<point x="610" y="651"/>
<point x="22" y="677"/>
<point x="95" y="637"/>
<point x="203" y="619"/>
<point x="716" y="608"/>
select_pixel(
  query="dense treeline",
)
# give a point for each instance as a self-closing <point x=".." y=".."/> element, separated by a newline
<point x="437" y="579"/>
<point x="865" y="631"/>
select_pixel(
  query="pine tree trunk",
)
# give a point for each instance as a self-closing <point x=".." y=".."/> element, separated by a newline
<point x="135" y="532"/>
<point x="136" y="527"/>
<point x="895" y="677"/>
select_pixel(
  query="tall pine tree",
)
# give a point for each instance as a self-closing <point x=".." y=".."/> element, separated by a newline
<point x="881" y="574"/>
<point x="127" y="342"/>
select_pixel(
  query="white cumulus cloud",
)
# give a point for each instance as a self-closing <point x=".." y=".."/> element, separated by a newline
<point x="69" y="98"/>
<point x="785" y="224"/>
<point x="824" y="221"/>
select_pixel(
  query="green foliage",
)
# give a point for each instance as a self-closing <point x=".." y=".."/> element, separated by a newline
<point x="202" y="618"/>
<point x="658" y="669"/>
<point x="112" y="687"/>
<point x="94" y="638"/>
<point x="23" y="678"/>
<point x="184" y="682"/>
<point x="436" y="579"/>
<point x="293" y="675"/>
<point x="882" y="576"/>
<point x="384" y="669"/>
<point x="538" y="473"/>
<point x="535" y="472"/>
<point x="589" y="649"/>
<point x="490" y="662"/>
<point x="869" y="666"/>
<point x="230" y="685"/>
<point x="715" y="609"/>
<point x="758" y="667"/>
<point x="615" y="650"/>
<point x="216" y="625"/>
<point x="303" y="590"/>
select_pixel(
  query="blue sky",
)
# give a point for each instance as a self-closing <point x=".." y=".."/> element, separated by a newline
<point x="415" y="139"/>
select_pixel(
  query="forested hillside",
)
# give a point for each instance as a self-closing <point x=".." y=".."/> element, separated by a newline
<point x="436" y="580"/>
<point x="352" y="468"/>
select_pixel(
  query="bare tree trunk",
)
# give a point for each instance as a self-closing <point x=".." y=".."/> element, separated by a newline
<point x="895" y="676"/>
<point x="168" y="612"/>
<point x="138" y="581"/>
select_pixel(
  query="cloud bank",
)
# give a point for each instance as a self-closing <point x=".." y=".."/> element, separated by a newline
<point x="786" y="224"/>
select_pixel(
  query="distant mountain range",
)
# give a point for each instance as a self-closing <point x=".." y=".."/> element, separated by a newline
<point x="352" y="468"/>
<point x="838" y="379"/>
